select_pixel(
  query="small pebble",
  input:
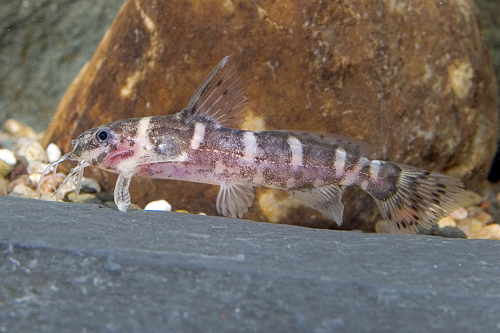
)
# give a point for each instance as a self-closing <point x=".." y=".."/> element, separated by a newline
<point x="183" y="211"/>
<point x="111" y="204"/>
<point x="484" y="217"/>
<point x="8" y="157"/>
<point x="160" y="205"/>
<point x="433" y="230"/>
<point x="34" y="178"/>
<point x="53" y="152"/>
<point x="470" y="225"/>
<point x="134" y="207"/>
<point x="90" y="185"/>
<point x="480" y="214"/>
<point x="22" y="190"/>
<point x="4" y="184"/>
<point x="47" y="185"/>
<point x="459" y="214"/>
<point x="48" y="196"/>
<point x="36" y="167"/>
<point x="491" y="231"/>
<point x="23" y="179"/>
<point x="17" y="128"/>
<point x="451" y="232"/>
<point x="28" y="150"/>
<point x="17" y="172"/>
<point x="485" y="204"/>
<point x="69" y="187"/>
<point x="475" y="210"/>
<point x="447" y="222"/>
<point x="5" y="169"/>
<point x="87" y="198"/>
<point x="105" y="196"/>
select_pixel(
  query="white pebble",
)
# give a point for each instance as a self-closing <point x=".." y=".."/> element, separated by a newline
<point x="8" y="157"/>
<point x="22" y="190"/>
<point x="447" y="222"/>
<point x="459" y="214"/>
<point x="161" y="205"/>
<point x="36" y="167"/>
<point x="53" y="152"/>
<point x="35" y="178"/>
<point x="66" y="189"/>
<point x="30" y="151"/>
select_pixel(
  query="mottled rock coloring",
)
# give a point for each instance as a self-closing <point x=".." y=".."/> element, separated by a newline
<point x="412" y="78"/>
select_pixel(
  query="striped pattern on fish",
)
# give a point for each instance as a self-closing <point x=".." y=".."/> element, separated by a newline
<point x="199" y="144"/>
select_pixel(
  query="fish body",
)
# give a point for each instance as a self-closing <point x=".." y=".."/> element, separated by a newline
<point x="199" y="144"/>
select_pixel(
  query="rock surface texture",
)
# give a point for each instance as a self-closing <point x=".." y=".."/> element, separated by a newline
<point x="73" y="268"/>
<point x="412" y="78"/>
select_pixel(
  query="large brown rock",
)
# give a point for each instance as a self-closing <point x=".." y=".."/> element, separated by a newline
<point x="412" y="78"/>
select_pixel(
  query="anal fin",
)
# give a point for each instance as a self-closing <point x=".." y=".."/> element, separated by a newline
<point x="325" y="199"/>
<point x="235" y="199"/>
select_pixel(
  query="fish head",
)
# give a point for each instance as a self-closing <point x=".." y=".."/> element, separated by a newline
<point x="108" y="147"/>
<point x="89" y="145"/>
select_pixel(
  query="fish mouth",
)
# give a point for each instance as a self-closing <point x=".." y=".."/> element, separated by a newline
<point x="76" y="172"/>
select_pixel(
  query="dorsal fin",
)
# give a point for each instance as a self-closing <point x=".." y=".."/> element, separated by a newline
<point x="220" y="97"/>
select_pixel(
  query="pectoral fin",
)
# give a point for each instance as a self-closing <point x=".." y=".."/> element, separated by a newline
<point x="122" y="195"/>
<point x="325" y="199"/>
<point x="235" y="199"/>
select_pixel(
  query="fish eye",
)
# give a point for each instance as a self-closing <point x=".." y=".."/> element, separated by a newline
<point x="103" y="135"/>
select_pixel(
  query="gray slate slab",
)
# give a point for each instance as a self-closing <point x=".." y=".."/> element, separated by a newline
<point x="81" y="268"/>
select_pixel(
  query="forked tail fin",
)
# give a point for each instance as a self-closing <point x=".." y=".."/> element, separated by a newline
<point x="407" y="196"/>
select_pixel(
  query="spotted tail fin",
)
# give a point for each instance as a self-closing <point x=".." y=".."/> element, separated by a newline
<point x="407" y="196"/>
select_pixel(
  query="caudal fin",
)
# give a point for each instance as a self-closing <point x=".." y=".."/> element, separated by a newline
<point x="407" y="196"/>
